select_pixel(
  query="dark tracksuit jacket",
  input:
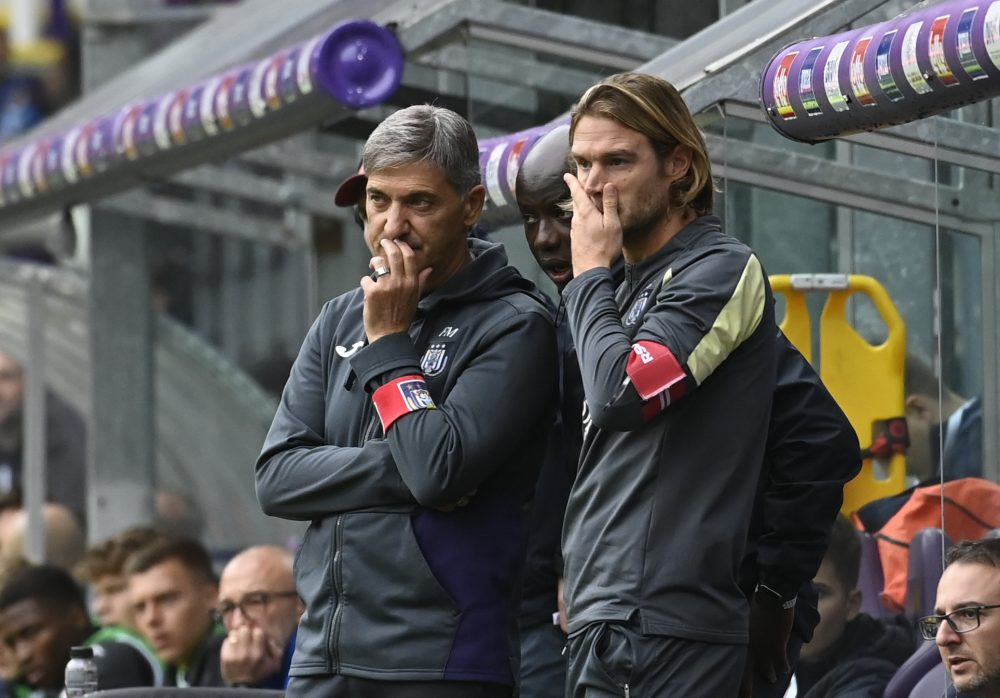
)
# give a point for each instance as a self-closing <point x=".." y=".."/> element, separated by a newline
<point x="394" y="588"/>
<point x="862" y="662"/>
<point x="543" y="566"/>
<point x="678" y="371"/>
<point x="812" y="452"/>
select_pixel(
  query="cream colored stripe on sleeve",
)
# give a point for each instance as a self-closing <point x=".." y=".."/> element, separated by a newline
<point x="739" y="318"/>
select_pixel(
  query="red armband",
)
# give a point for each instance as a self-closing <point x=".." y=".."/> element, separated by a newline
<point x="653" y="369"/>
<point x="401" y="396"/>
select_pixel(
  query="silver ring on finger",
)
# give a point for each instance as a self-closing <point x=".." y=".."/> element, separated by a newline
<point x="380" y="272"/>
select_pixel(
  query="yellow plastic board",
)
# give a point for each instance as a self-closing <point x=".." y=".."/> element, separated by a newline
<point x="865" y="379"/>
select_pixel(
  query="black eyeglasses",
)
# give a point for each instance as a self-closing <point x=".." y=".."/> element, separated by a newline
<point x="962" y="620"/>
<point x="252" y="605"/>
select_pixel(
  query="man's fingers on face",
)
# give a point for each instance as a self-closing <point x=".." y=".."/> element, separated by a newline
<point x="575" y="188"/>
<point x="376" y="262"/>
<point x="393" y="255"/>
<point x="582" y="203"/>
<point x="408" y="258"/>
<point x="609" y="199"/>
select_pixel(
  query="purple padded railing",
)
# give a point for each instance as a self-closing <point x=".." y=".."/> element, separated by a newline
<point x="357" y="63"/>
<point x="928" y="60"/>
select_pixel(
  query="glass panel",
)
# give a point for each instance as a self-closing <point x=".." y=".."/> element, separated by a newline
<point x="933" y="274"/>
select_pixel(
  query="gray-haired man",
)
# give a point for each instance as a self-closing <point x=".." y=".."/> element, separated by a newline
<point x="410" y="434"/>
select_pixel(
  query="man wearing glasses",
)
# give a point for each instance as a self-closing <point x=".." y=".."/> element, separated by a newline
<point x="260" y="608"/>
<point x="966" y="626"/>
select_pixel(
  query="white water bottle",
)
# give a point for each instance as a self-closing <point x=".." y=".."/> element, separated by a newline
<point x="81" y="672"/>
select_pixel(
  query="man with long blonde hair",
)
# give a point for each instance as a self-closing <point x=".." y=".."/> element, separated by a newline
<point x="678" y="369"/>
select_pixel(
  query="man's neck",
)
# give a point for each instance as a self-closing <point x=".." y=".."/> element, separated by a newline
<point x="636" y="251"/>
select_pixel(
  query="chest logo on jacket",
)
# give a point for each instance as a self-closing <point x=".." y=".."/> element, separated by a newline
<point x="345" y="353"/>
<point x="635" y="312"/>
<point x="434" y="359"/>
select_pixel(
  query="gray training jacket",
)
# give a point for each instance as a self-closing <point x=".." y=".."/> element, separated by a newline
<point x="394" y="588"/>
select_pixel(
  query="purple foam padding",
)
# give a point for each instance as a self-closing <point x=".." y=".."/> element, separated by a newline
<point x="871" y="581"/>
<point x="37" y="166"/>
<point x="145" y="131"/>
<point x="192" y="127"/>
<point x="101" y="144"/>
<point x="913" y="671"/>
<point x="358" y="63"/>
<point x="25" y="182"/>
<point x="239" y="97"/>
<point x="924" y="570"/>
<point x="53" y="164"/>
<point x="926" y="61"/>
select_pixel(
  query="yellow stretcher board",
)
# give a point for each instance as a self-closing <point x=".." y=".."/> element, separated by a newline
<point x="865" y="379"/>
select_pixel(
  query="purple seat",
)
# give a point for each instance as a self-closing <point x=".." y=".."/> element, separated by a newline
<point x="913" y="671"/>
<point x="924" y="570"/>
<point x="870" y="579"/>
<point x="935" y="684"/>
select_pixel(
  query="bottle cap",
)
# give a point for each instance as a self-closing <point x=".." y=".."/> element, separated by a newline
<point x="81" y="653"/>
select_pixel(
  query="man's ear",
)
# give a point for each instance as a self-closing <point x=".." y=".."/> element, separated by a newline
<point x="854" y="597"/>
<point x="923" y="407"/>
<point x="474" y="202"/>
<point x="679" y="161"/>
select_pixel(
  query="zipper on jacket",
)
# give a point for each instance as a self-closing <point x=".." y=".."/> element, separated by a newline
<point x="338" y="583"/>
<point x="628" y="693"/>
<point x="371" y="426"/>
<point x="369" y="417"/>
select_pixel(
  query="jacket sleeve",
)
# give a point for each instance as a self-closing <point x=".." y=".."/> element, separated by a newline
<point x="501" y="395"/>
<point x="298" y="475"/>
<point x="812" y="452"/>
<point x="697" y="318"/>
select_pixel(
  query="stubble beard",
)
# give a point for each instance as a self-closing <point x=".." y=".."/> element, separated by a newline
<point x="640" y="224"/>
<point x="986" y="682"/>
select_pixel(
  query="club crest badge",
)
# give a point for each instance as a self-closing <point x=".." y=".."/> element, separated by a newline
<point x="434" y="359"/>
<point x="635" y="312"/>
<point x="416" y="396"/>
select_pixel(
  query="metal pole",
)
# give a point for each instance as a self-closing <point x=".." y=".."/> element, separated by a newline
<point x="34" y="421"/>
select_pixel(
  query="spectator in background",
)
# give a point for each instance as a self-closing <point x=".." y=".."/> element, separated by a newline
<point x="260" y="608"/>
<point x="64" y="539"/>
<point x="177" y="514"/>
<point x="966" y="624"/>
<point x="173" y="591"/>
<point x="65" y="450"/>
<point x="851" y="653"/>
<point x="103" y="569"/>
<point x="9" y="566"/>
<point x="956" y="424"/>
<point x="43" y="615"/>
